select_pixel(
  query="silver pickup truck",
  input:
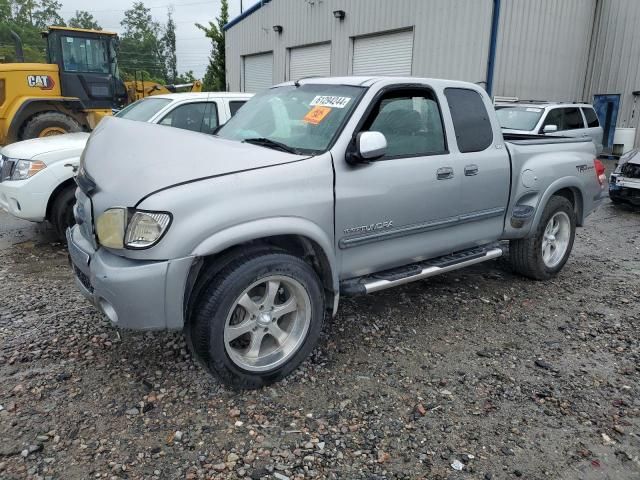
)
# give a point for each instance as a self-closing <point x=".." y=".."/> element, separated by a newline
<point x="315" y="189"/>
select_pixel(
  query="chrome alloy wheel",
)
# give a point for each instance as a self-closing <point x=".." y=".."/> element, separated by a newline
<point x="267" y="323"/>
<point x="556" y="238"/>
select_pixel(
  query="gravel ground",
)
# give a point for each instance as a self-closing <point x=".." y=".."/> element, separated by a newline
<point x="476" y="374"/>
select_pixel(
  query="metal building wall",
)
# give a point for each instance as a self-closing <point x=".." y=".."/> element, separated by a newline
<point x="451" y="37"/>
<point x="543" y="48"/>
<point x="614" y="64"/>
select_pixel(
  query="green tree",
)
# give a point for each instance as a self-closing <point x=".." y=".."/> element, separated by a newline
<point x="83" y="19"/>
<point x="215" y="77"/>
<point x="141" y="51"/>
<point x="186" y="77"/>
<point x="46" y="14"/>
<point x="169" y="41"/>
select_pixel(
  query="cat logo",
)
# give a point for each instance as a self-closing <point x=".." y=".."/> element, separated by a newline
<point x="43" y="82"/>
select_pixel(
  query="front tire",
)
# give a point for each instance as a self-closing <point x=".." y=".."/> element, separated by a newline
<point x="61" y="216"/>
<point x="257" y="319"/>
<point x="542" y="255"/>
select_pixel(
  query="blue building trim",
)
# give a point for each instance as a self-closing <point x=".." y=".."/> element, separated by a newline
<point x="245" y="14"/>
<point x="491" y="63"/>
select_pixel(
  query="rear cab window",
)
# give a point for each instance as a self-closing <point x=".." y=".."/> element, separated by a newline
<point x="470" y="119"/>
<point x="591" y="117"/>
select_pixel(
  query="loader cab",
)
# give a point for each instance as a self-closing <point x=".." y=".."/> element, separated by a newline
<point x="88" y="66"/>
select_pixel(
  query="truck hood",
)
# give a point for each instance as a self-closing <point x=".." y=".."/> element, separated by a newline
<point x="125" y="161"/>
<point x="48" y="149"/>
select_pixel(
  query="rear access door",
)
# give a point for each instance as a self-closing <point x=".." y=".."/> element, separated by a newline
<point x="486" y="169"/>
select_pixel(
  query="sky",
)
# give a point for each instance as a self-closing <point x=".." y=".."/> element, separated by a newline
<point x="192" y="46"/>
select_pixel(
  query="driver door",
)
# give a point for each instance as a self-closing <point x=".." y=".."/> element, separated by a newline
<point x="403" y="207"/>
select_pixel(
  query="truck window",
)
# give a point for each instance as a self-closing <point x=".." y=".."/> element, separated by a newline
<point x="189" y="116"/>
<point x="592" y="118"/>
<point x="573" y="119"/>
<point x="554" y="117"/>
<point x="234" y="106"/>
<point x="85" y="55"/>
<point x="411" y="123"/>
<point x="470" y="119"/>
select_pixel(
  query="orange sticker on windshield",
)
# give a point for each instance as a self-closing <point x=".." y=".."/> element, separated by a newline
<point x="316" y="115"/>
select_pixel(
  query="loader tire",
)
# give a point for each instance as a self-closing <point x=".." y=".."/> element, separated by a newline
<point x="48" y="124"/>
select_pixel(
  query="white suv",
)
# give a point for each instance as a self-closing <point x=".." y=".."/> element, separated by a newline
<point x="547" y="118"/>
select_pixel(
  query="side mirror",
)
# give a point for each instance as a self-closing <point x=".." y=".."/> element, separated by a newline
<point x="368" y="146"/>
<point x="550" y="129"/>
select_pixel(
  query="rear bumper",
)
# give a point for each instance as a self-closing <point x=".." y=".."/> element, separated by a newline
<point x="134" y="294"/>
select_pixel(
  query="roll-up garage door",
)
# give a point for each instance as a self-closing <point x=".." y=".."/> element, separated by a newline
<point x="311" y="61"/>
<point x="386" y="54"/>
<point x="258" y="72"/>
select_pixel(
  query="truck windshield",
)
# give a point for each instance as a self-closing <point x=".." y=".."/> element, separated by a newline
<point x="518" y="118"/>
<point x="143" y="110"/>
<point x="302" y="119"/>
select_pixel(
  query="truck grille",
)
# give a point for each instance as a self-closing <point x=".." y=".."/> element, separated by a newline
<point x="631" y="170"/>
<point x="6" y="168"/>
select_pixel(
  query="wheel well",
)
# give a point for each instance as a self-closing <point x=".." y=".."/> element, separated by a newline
<point x="575" y="197"/>
<point x="56" y="192"/>
<point x="296" y="245"/>
<point x="32" y="108"/>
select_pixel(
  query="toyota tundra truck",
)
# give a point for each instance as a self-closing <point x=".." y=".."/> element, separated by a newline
<point x="314" y="190"/>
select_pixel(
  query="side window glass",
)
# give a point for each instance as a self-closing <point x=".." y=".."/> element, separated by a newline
<point x="470" y="119"/>
<point x="554" y="117"/>
<point x="573" y="119"/>
<point x="188" y="116"/>
<point x="411" y="123"/>
<point x="234" y="106"/>
<point x="592" y="118"/>
<point x="210" y="121"/>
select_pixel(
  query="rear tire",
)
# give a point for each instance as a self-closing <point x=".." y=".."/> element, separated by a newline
<point x="61" y="216"/>
<point x="257" y="319"/>
<point x="49" y="123"/>
<point x="536" y="257"/>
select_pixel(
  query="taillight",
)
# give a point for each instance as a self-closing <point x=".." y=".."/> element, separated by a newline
<point x="600" y="169"/>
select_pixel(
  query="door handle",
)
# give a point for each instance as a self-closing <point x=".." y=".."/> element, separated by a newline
<point x="444" y="173"/>
<point x="470" y="170"/>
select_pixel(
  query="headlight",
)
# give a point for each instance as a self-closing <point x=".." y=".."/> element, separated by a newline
<point x="24" y="169"/>
<point x="123" y="228"/>
<point x="146" y="228"/>
<point x="110" y="227"/>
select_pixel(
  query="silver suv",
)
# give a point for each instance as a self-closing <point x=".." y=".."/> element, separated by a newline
<point x="547" y="118"/>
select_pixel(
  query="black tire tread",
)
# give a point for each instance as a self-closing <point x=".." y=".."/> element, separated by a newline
<point x="64" y="200"/>
<point x="32" y="127"/>
<point x="525" y="253"/>
<point x="214" y="293"/>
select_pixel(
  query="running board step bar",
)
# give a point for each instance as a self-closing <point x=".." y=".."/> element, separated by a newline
<point x="418" y="271"/>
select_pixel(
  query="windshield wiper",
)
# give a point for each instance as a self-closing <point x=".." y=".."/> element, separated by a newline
<point x="268" y="143"/>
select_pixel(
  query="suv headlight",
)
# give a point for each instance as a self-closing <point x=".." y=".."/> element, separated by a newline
<point x="135" y="229"/>
<point x="24" y="169"/>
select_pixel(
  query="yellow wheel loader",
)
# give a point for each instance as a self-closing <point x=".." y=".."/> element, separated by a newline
<point x="78" y="86"/>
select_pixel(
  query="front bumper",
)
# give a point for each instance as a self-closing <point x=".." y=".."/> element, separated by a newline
<point x="135" y="294"/>
<point x="20" y="200"/>
<point x="624" y="189"/>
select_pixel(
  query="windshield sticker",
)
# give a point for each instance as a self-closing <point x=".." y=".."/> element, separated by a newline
<point x="316" y="115"/>
<point x="330" y="101"/>
<point x="534" y="110"/>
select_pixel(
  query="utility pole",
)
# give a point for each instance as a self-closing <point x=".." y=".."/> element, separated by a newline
<point x="240" y="6"/>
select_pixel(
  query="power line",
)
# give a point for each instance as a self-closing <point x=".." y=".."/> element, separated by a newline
<point x="210" y="2"/>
